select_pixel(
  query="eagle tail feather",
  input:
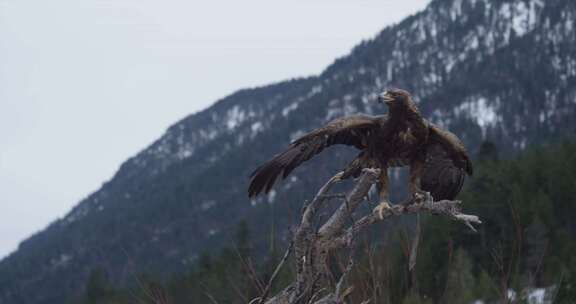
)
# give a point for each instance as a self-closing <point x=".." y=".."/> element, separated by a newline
<point x="265" y="176"/>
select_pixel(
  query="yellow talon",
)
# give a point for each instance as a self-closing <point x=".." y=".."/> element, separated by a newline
<point x="420" y="197"/>
<point x="383" y="206"/>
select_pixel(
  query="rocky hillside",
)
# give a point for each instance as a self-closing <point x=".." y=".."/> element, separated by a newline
<point x="499" y="70"/>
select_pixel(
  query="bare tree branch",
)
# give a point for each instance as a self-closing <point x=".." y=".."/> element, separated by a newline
<point x="312" y="246"/>
<point x="414" y="245"/>
<point x="275" y="274"/>
<point x="354" y="198"/>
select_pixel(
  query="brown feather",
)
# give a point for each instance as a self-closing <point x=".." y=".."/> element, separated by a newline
<point x="453" y="147"/>
<point x="446" y="166"/>
<point x="350" y="131"/>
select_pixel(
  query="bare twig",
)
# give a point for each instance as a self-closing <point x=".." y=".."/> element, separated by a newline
<point x="275" y="274"/>
<point x="158" y="294"/>
<point x="236" y="289"/>
<point x="247" y="265"/>
<point x="208" y="294"/>
<point x="414" y="246"/>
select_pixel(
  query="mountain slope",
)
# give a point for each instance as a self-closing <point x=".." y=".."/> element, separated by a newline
<point x="500" y="70"/>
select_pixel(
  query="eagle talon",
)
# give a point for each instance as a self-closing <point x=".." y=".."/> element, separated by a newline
<point x="381" y="208"/>
<point x="420" y="197"/>
<point x="428" y="197"/>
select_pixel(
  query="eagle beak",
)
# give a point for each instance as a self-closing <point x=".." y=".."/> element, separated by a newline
<point x="385" y="97"/>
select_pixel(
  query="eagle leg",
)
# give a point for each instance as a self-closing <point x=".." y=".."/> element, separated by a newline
<point x="383" y="193"/>
<point x="416" y="171"/>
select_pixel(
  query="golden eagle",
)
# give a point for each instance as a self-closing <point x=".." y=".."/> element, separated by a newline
<point x="437" y="158"/>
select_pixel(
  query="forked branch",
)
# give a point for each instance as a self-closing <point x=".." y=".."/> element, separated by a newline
<point x="312" y="245"/>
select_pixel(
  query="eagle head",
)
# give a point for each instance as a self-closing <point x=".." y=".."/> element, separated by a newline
<point x="395" y="97"/>
<point x="398" y="100"/>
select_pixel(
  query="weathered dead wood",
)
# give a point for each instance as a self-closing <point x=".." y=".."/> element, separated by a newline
<point x="313" y="282"/>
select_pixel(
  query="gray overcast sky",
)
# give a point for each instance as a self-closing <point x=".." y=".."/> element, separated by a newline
<point x="86" y="84"/>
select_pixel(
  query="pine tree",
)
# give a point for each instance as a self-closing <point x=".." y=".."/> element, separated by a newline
<point x="97" y="287"/>
<point x="461" y="282"/>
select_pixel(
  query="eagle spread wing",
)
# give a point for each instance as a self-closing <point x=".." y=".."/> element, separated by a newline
<point x="446" y="166"/>
<point x="351" y="130"/>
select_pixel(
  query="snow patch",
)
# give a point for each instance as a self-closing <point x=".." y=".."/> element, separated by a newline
<point x="479" y="109"/>
<point x="295" y="135"/>
<point x="293" y="106"/>
<point x="537" y="296"/>
<point x="523" y="15"/>
<point x="61" y="260"/>
<point x="531" y="296"/>
<point x="185" y="152"/>
<point x="208" y="134"/>
<point x="315" y="90"/>
<point x="207" y="205"/>
<point x="256" y="127"/>
<point x="456" y="9"/>
<point x="289" y="109"/>
<point x="291" y="181"/>
<point x="76" y="214"/>
<point x="511" y="294"/>
<point x="271" y="196"/>
<point x="235" y="117"/>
